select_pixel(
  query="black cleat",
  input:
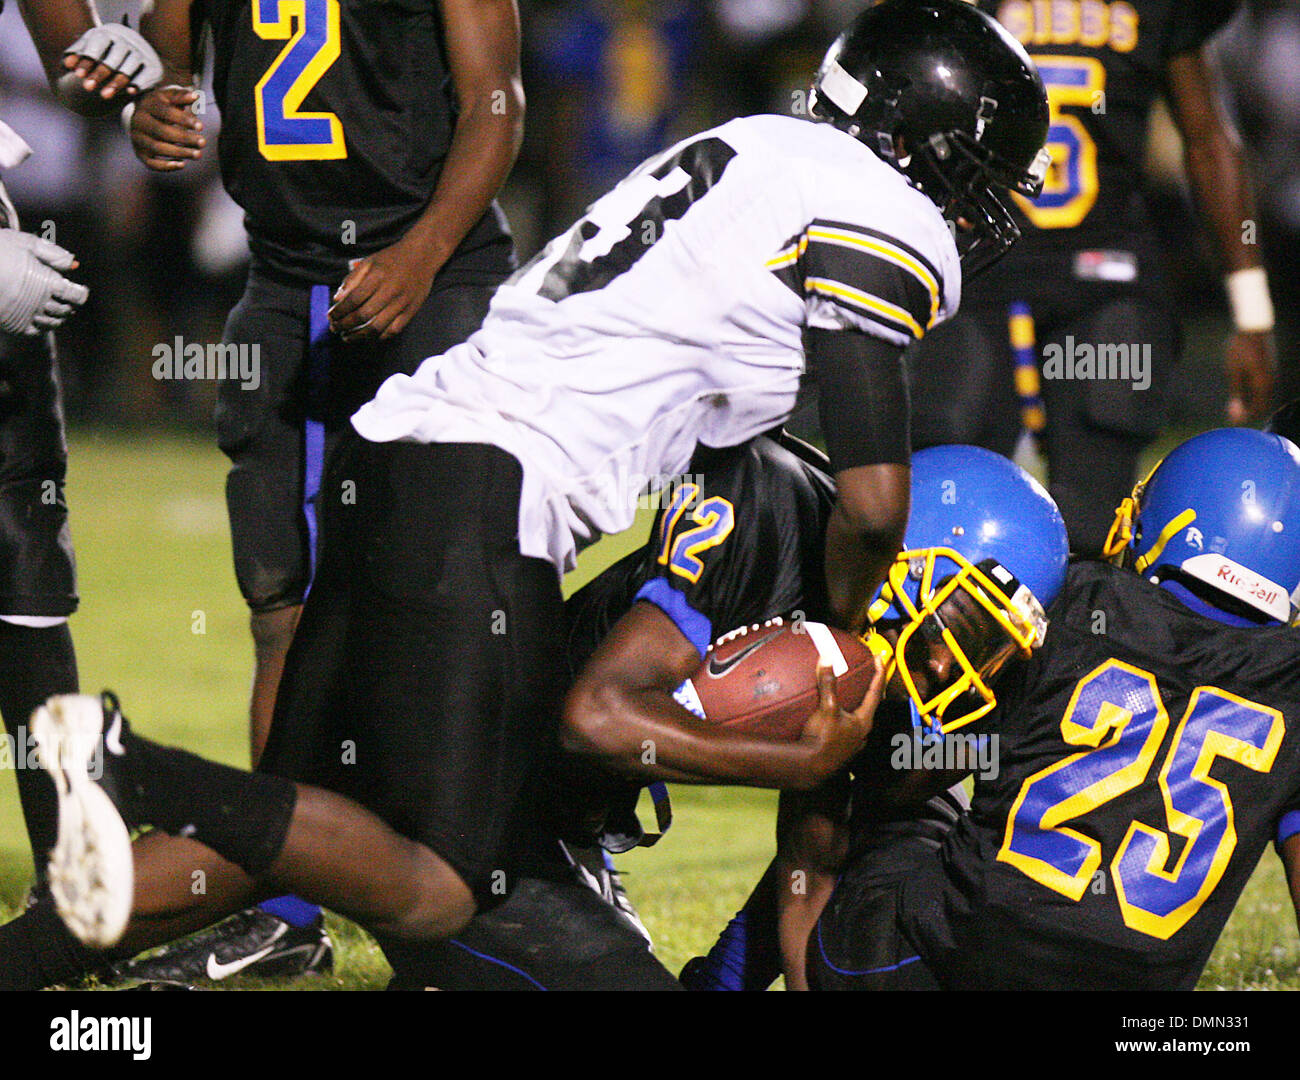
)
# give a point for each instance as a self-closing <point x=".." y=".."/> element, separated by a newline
<point x="250" y="942"/>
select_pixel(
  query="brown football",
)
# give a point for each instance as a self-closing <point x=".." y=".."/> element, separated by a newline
<point x="763" y="679"/>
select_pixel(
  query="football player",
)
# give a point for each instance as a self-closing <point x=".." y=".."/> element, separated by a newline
<point x="643" y="626"/>
<point x="37" y="573"/>
<point x="684" y="308"/>
<point x="366" y="144"/>
<point x="1148" y="755"/>
<point x="1084" y="299"/>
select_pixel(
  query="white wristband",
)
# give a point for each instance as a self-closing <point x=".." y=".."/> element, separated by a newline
<point x="1252" y="307"/>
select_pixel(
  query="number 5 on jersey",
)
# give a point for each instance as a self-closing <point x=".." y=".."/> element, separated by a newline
<point x="1072" y="183"/>
<point x="284" y="132"/>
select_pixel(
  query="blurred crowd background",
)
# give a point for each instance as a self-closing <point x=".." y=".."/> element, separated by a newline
<point x="608" y="83"/>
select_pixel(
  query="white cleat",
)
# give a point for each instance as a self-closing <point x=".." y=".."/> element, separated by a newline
<point x="91" y="874"/>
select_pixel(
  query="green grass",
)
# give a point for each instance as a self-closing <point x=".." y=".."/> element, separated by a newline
<point x="149" y="524"/>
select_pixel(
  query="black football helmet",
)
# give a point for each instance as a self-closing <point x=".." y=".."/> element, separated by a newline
<point x="944" y="94"/>
<point x="1286" y="422"/>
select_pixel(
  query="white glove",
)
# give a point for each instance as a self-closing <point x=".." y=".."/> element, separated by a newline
<point x="122" y="51"/>
<point x="34" y="296"/>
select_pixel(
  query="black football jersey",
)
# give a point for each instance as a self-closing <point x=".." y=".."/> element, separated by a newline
<point x="336" y="116"/>
<point x="1146" y="755"/>
<point x="740" y="539"/>
<point x="1103" y="63"/>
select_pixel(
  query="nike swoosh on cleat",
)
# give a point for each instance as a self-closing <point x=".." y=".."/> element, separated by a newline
<point x="218" y="970"/>
<point x="717" y="670"/>
<point x="113" y="737"/>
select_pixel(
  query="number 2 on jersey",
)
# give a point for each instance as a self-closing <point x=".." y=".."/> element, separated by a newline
<point x="1072" y="184"/>
<point x="714" y="519"/>
<point x="1116" y="713"/>
<point x="284" y="133"/>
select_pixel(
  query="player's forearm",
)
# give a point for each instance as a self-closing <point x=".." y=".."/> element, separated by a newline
<point x="812" y="844"/>
<point x="1216" y="167"/>
<point x="483" y="54"/>
<point x="167" y="28"/>
<point x="488" y="133"/>
<point x="858" y="556"/>
<point x="58" y="24"/>
<point x="1289" y="852"/>
<point x="646" y="735"/>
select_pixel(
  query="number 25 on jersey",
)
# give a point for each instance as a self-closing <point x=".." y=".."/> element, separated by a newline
<point x="284" y="132"/>
<point x="1117" y="718"/>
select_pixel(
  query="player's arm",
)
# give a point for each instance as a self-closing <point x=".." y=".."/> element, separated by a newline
<point x="1288" y="850"/>
<point x="1220" y="181"/>
<point x="812" y="844"/>
<point x="864" y="417"/>
<point x="104" y="64"/>
<point x="165" y="132"/>
<point x="621" y="710"/>
<point x="382" y="292"/>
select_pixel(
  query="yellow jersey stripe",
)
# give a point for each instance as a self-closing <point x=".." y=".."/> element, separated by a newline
<point x="873" y="304"/>
<point x="886" y="251"/>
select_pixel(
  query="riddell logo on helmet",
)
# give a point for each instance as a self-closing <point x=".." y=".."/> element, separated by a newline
<point x="1257" y="589"/>
<point x="1242" y="583"/>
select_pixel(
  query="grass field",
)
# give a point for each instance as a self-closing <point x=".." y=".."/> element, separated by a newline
<point x="162" y="623"/>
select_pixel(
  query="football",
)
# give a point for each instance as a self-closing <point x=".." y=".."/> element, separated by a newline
<point x="763" y="678"/>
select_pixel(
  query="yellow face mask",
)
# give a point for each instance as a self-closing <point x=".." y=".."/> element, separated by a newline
<point x="1121" y="534"/>
<point x="916" y="587"/>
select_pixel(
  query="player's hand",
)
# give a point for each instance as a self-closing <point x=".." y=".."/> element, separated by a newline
<point x="1248" y="360"/>
<point x="34" y="294"/>
<point x="382" y="292"/>
<point x="833" y="735"/>
<point x="164" y="130"/>
<point x="111" y="58"/>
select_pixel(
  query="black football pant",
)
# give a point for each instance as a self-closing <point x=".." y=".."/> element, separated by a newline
<point x="37" y="569"/>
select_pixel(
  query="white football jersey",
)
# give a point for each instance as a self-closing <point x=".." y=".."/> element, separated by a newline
<point x="672" y="314"/>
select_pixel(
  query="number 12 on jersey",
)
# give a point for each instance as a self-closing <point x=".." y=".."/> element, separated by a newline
<point x="284" y="132"/>
<point x="1117" y="715"/>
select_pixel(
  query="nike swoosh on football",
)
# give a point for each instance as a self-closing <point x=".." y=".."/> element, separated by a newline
<point x="717" y="670"/>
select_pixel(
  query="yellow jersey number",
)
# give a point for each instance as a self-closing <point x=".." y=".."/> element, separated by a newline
<point x="1070" y="191"/>
<point x="1117" y="717"/>
<point x="284" y="132"/>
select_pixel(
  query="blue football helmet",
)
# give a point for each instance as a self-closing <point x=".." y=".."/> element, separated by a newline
<point x="1221" y="510"/>
<point x="983" y="527"/>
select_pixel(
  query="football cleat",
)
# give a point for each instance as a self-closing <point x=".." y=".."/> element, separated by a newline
<point x="91" y="875"/>
<point x="250" y="942"/>
<point x="595" y="869"/>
